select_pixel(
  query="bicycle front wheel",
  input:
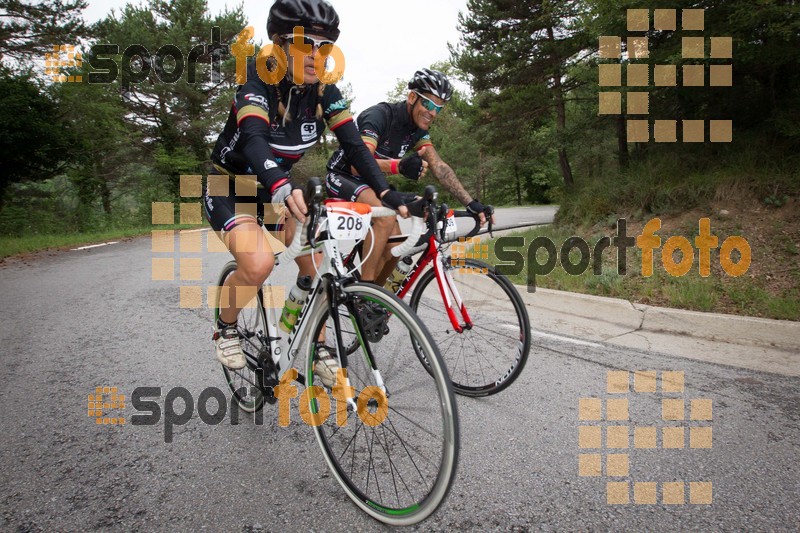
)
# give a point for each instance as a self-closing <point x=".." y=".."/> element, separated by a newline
<point x="395" y="448"/>
<point x="489" y="355"/>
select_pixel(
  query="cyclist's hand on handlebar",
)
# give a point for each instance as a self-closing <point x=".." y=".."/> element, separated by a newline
<point x="296" y="204"/>
<point x="395" y="200"/>
<point x="477" y="208"/>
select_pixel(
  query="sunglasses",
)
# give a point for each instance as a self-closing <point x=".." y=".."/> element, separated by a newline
<point x="428" y="104"/>
<point x="295" y="39"/>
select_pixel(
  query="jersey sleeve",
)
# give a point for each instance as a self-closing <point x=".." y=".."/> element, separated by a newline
<point x="372" y="124"/>
<point x="252" y="118"/>
<point x="251" y="99"/>
<point x="335" y="108"/>
<point x="340" y="121"/>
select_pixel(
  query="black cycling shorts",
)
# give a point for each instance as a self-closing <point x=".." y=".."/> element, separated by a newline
<point x="226" y="212"/>
<point x="344" y="187"/>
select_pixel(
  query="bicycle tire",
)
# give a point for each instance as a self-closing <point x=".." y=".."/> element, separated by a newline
<point x="245" y="384"/>
<point x="348" y="331"/>
<point x="483" y="360"/>
<point x="406" y="475"/>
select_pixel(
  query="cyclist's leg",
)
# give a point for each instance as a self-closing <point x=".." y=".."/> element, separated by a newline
<point x="376" y="240"/>
<point x="353" y="190"/>
<point x="255" y="260"/>
<point x="235" y="220"/>
<point x="389" y="261"/>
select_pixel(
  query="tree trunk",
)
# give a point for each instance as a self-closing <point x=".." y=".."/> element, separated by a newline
<point x="105" y="194"/>
<point x="622" y="142"/>
<point x="561" y="120"/>
<point x="481" y="177"/>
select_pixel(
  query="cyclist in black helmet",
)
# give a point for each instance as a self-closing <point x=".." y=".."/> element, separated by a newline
<point x="397" y="135"/>
<point x="269" y="128"/>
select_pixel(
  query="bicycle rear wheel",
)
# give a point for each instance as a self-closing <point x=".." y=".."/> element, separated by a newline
<point x="397" y="466"/>
<point x="487" y="358"/>
<point x="245" y="384"/>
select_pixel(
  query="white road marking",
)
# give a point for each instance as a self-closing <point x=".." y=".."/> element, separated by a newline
<point x="194" y="230"/>
<point x="95" y="246"/>
<point x="566" y="339"/>
<point x="556" y="337"/>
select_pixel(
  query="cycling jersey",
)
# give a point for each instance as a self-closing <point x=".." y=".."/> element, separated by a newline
<point x="387" y="127"/>
<point x="256" y="141"/>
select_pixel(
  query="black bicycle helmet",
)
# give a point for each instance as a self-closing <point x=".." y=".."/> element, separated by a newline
<point x="315" y="16"/>
<point x="432" y="82"/>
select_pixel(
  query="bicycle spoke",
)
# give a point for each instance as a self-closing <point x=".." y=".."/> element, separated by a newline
<point x="482" y="359"/>
<point x="399" y="462"/>
<point x="411" y="422"/>
<point x="403" y="443"/>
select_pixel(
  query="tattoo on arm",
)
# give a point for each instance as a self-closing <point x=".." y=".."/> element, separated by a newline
<point x="448" y="179"/>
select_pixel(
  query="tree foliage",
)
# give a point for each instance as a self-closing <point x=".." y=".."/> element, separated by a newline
<point x="28" y="30"/>
<point x="36" y="142"/>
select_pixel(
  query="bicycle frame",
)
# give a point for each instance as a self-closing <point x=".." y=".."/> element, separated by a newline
<point x="299" y="337"/>
<point x="447" y="286"/>
<point x="322" y="297"/>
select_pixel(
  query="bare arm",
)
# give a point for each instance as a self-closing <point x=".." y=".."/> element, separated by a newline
<point x="445" y="175"/>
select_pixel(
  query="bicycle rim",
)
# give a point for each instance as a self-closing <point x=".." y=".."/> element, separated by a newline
<point x="397" y="469"/>
<point x="487" y="358"/>
<point x="245" y="384"/>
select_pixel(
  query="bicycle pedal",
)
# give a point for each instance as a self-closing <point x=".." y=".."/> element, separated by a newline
<point x="373" y="321"/>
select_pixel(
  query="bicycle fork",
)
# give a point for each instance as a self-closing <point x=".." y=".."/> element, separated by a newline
<point x="447" y="286"/>
<point x="335" y="299"/>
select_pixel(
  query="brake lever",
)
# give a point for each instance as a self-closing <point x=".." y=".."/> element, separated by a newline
<point x="433" y="215"/>
<point x="443" y="209"/>
<point x="489" y="212"/>
<point x="420" y="207"/>
<point x="313" y="194"/>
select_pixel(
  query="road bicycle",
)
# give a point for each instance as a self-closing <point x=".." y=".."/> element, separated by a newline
<point x="398" y="470"/>
<point x="475" y="315"/>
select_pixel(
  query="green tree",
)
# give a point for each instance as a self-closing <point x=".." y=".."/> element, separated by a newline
<point x="176" y="119"/>
<point x="28" y="30"/>
<point x="398" y="92"/>
<point x="36" y="142"/>
<point x="105" y="144"/>
<point x="518" y="54"/>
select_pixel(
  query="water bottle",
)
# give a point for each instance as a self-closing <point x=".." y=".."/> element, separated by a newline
<point x="297" y="297"/>
<point x="399" y="274"/>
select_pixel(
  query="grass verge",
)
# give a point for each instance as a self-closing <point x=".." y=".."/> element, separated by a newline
<point x="751" y="294"/>
<point x="10" y="246"/>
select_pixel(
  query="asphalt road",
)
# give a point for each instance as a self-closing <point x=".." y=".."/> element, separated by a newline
<point x="77" y="320"/>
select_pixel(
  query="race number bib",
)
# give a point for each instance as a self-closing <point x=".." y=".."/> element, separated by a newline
<point x="450" y="228"/>
<point x="349" y="221"/>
